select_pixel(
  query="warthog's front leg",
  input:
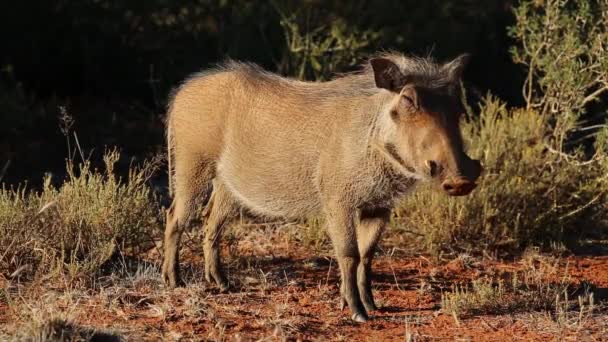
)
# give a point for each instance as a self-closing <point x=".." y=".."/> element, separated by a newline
<point x="369" y="230"/>
<point x="221" y="210"/>
<point x="341" y="230"/>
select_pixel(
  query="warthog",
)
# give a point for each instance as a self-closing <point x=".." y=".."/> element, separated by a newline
<point x="240" y="137"/>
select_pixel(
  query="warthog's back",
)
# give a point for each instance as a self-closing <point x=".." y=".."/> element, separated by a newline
<point x="266" y="133"/>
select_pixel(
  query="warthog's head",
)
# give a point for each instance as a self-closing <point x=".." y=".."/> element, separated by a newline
<point x="423" y="116"/>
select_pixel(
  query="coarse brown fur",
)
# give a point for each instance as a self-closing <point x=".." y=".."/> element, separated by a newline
<point x="240" y="137"/>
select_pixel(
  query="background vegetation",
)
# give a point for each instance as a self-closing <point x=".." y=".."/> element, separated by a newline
<point x="80" y="221"/>
<point x="542" y="136"/>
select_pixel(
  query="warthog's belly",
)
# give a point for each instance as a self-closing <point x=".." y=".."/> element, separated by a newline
<point x="271" y="189"/>
<point x="270" y="154"/>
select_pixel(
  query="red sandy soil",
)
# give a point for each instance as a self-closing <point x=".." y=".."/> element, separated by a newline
<point x="282" y="290"/>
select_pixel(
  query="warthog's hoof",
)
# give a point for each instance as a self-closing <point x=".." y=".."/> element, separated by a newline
<point x="218" y="279"/>
<point x="342" y="304"/>
<point x="359" y="318"/>
<point x="172" y="280"/>
<point x="224" y="287"/>
<point x="370" y="306"/>
<point x="173" y="283"/>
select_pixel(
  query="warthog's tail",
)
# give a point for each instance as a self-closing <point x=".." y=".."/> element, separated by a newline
<point x="170" y="171"/>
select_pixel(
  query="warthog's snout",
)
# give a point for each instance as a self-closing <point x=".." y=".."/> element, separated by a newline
<point x="463" y="185"/>
<point x="458" y="186"/>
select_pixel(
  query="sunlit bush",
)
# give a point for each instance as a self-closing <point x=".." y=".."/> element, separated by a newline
<point x="73" y="229"/>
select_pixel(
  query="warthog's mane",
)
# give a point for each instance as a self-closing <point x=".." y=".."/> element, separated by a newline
<point x="420" y="71"/>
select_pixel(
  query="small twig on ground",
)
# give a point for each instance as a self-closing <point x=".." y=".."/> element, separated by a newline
<point x="487" y="324"/>
<point x="393" y="270"/>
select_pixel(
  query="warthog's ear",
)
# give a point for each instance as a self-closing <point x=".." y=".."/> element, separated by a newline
<point x="387" y="74"/>
<point x="455" y="68"/>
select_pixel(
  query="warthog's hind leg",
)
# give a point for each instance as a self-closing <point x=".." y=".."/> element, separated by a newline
<point x="369" y="230"/>
<point x="193" y="182"/>
<point x="170" y="269"/>
<point x="220" y="211"/>
<point x="178" y="219"/>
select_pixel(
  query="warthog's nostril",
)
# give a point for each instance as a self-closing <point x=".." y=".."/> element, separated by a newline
<point x="458" y="187"/>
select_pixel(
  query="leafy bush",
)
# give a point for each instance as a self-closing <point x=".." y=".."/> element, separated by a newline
<point x="563" y="44"/>
<point x="72" y="230"/>
<point x="318" y="53"/>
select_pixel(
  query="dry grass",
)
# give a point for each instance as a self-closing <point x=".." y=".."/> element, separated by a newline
<point x="71" y="231"/>
<point x="280" y="299"/>
<point x="538" y="287"/>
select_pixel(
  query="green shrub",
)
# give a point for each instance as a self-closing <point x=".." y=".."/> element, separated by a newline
<point x="320" y="52"/>
<point x="563" y="45"/>
<point x="72" y="230"/>
<point x="540" y="285"/>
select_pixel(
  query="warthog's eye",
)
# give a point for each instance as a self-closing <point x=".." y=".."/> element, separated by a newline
<point x="432" y="168"/>
<point x="408" y="101"/>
